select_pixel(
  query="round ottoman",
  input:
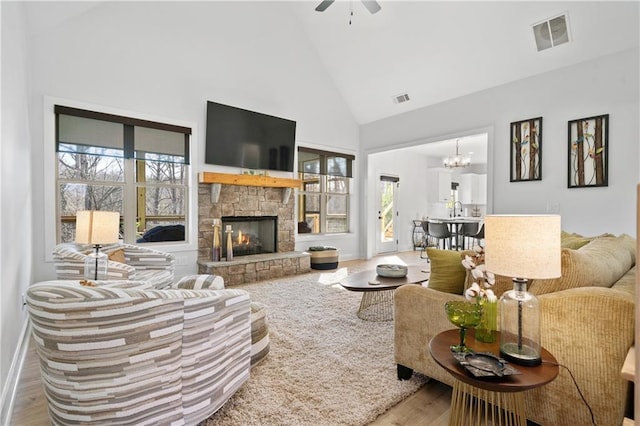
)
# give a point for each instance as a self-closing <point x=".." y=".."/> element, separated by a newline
<point x="259" y="333"/>
<point x="323" y="257"/>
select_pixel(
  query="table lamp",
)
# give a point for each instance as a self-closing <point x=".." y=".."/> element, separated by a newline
<point x="523" y="247"/>
<point x="96" y="228"/>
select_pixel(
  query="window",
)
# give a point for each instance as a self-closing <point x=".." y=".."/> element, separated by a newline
<point x="323" y="202"/>
<point x="135" y="167"/>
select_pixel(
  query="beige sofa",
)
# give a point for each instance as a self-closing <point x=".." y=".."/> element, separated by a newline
<point x="587" y="323"/>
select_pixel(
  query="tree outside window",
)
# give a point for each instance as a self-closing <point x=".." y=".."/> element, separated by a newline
<point x="114" y="163"/>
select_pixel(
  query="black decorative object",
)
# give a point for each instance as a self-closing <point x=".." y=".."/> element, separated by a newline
<point x="485" y="364"/>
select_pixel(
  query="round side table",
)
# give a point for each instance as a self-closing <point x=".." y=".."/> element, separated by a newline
<point x="488" y="400"/>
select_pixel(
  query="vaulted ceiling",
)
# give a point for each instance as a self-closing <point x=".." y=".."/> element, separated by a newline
<point x="439" y="50"/>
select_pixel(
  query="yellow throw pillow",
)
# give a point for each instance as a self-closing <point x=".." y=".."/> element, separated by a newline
<point x="447" y="273"/>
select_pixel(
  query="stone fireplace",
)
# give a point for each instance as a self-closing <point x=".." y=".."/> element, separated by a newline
<point x="249" y="207"/>
<point x="235" y="201"/>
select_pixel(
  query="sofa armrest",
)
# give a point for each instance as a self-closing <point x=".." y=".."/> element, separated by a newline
<point x="589" y="330"/>
<point x="200" y="281"/>
<point x="130" y="284"/>
<point x="216" y="348"/>
<point x="418" y="316"/>
<point x="142" y="258"/>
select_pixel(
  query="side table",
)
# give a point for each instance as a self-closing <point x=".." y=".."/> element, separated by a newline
<point x="499" y="400"/>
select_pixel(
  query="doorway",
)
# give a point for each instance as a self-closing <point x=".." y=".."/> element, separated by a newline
<point x="411" y="163"/>
<point x="387" y="229"/>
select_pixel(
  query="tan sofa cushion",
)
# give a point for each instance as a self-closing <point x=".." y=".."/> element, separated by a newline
<point x="573" y="241"/>
<point x="447" y="273"/>
<point x="600" y="263"/>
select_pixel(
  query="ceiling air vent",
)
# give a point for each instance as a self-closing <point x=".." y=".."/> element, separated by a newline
<point x="398" y="99"/>
<point x="551" y="32"/>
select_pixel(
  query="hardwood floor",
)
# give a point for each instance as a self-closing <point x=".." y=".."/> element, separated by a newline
<point x="429" y="406"/>
<point x="30" y="406"/>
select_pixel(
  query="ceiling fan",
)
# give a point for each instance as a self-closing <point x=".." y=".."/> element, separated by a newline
<point x="371" y="5"/>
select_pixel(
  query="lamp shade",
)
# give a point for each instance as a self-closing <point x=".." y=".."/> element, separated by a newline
<point x="97" y="227"/>
<point x="523" y="246"/>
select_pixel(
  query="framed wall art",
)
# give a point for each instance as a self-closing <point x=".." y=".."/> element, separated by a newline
<point x="588" y="152"/>
<point x="526" y="150"/>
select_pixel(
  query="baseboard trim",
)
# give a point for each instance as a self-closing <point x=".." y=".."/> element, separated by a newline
<point x="11" y="385"/>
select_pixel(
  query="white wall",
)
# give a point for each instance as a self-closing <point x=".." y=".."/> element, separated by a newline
<point x="15" y="193"/>
<point x="608" y="85"/>
<point x="167" y="59"/>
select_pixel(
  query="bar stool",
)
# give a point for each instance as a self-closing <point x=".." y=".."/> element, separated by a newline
<point x="478" y="236"/>
<point x="427" y="241"/>
<point x="469" y="229"/>
<point x="441" y="232"/>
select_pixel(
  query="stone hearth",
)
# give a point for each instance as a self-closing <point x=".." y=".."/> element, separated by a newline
<point x="258" y="267"/>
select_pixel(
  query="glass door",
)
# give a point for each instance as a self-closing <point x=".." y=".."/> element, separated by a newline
<point x="386" y="231"/>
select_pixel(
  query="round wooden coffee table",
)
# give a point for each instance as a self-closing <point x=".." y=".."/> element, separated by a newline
<point x="499" y="400"/>
<point x="377" y="299"/>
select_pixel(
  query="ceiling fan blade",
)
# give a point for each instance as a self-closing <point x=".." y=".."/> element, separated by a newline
<point x="371" y="5"/>
<point x="322" y="6"/>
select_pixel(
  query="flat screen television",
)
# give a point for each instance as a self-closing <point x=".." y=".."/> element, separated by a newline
<point x="251" y="140"/>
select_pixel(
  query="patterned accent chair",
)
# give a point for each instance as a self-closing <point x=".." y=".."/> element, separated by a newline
<point x="121" y="352"/>
<point x="126" y="262"/>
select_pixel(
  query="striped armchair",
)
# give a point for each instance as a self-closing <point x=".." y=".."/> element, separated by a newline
<point x="117" y="354"/>
<point x="138" y="263"/>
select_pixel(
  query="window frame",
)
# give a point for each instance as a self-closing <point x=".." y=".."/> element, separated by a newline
<point x="50" y="183"/>
<point x="324" y="193"/>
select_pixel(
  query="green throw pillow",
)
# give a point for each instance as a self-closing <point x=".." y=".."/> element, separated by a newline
<point x="447" y="272"/>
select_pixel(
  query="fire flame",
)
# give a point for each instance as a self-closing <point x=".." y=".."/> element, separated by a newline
<point x="242" y="239"/>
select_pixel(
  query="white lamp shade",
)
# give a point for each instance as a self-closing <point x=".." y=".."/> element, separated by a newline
<point x="97" y="227"/>
<point x="523" y="246"/>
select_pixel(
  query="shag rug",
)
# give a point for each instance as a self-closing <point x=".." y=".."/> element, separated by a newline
<point x="325" y="367"/>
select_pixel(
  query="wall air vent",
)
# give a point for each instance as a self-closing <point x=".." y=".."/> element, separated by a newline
<point x="398" y="99"/>
<point x="551" y="32"/>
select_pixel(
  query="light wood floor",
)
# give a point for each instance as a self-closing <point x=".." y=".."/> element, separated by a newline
<point x="427" y="407"/>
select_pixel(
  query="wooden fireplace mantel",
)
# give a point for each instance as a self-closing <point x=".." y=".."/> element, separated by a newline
<point x="249" y="180"/>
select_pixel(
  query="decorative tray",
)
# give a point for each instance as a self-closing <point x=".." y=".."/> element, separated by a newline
<point x="485" y="364"/>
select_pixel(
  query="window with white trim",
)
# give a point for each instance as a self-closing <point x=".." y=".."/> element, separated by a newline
<point x="136" y="167"/>
<point x="323" y="201"/>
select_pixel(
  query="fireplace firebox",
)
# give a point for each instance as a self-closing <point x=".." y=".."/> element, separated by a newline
<point x="251" y="234"/>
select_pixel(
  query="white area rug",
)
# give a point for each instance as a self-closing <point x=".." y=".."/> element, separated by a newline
<point x="326" y="366"/>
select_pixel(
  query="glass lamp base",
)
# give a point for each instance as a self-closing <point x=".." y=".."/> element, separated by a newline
<point x="95" y="266"/>
<point x="524" y="355"/>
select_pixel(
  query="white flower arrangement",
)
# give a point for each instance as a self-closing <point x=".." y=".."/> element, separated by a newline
<point x="480" y="290"/>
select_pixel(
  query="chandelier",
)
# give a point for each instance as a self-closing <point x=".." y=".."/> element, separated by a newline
<point x="456" y="161"/>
